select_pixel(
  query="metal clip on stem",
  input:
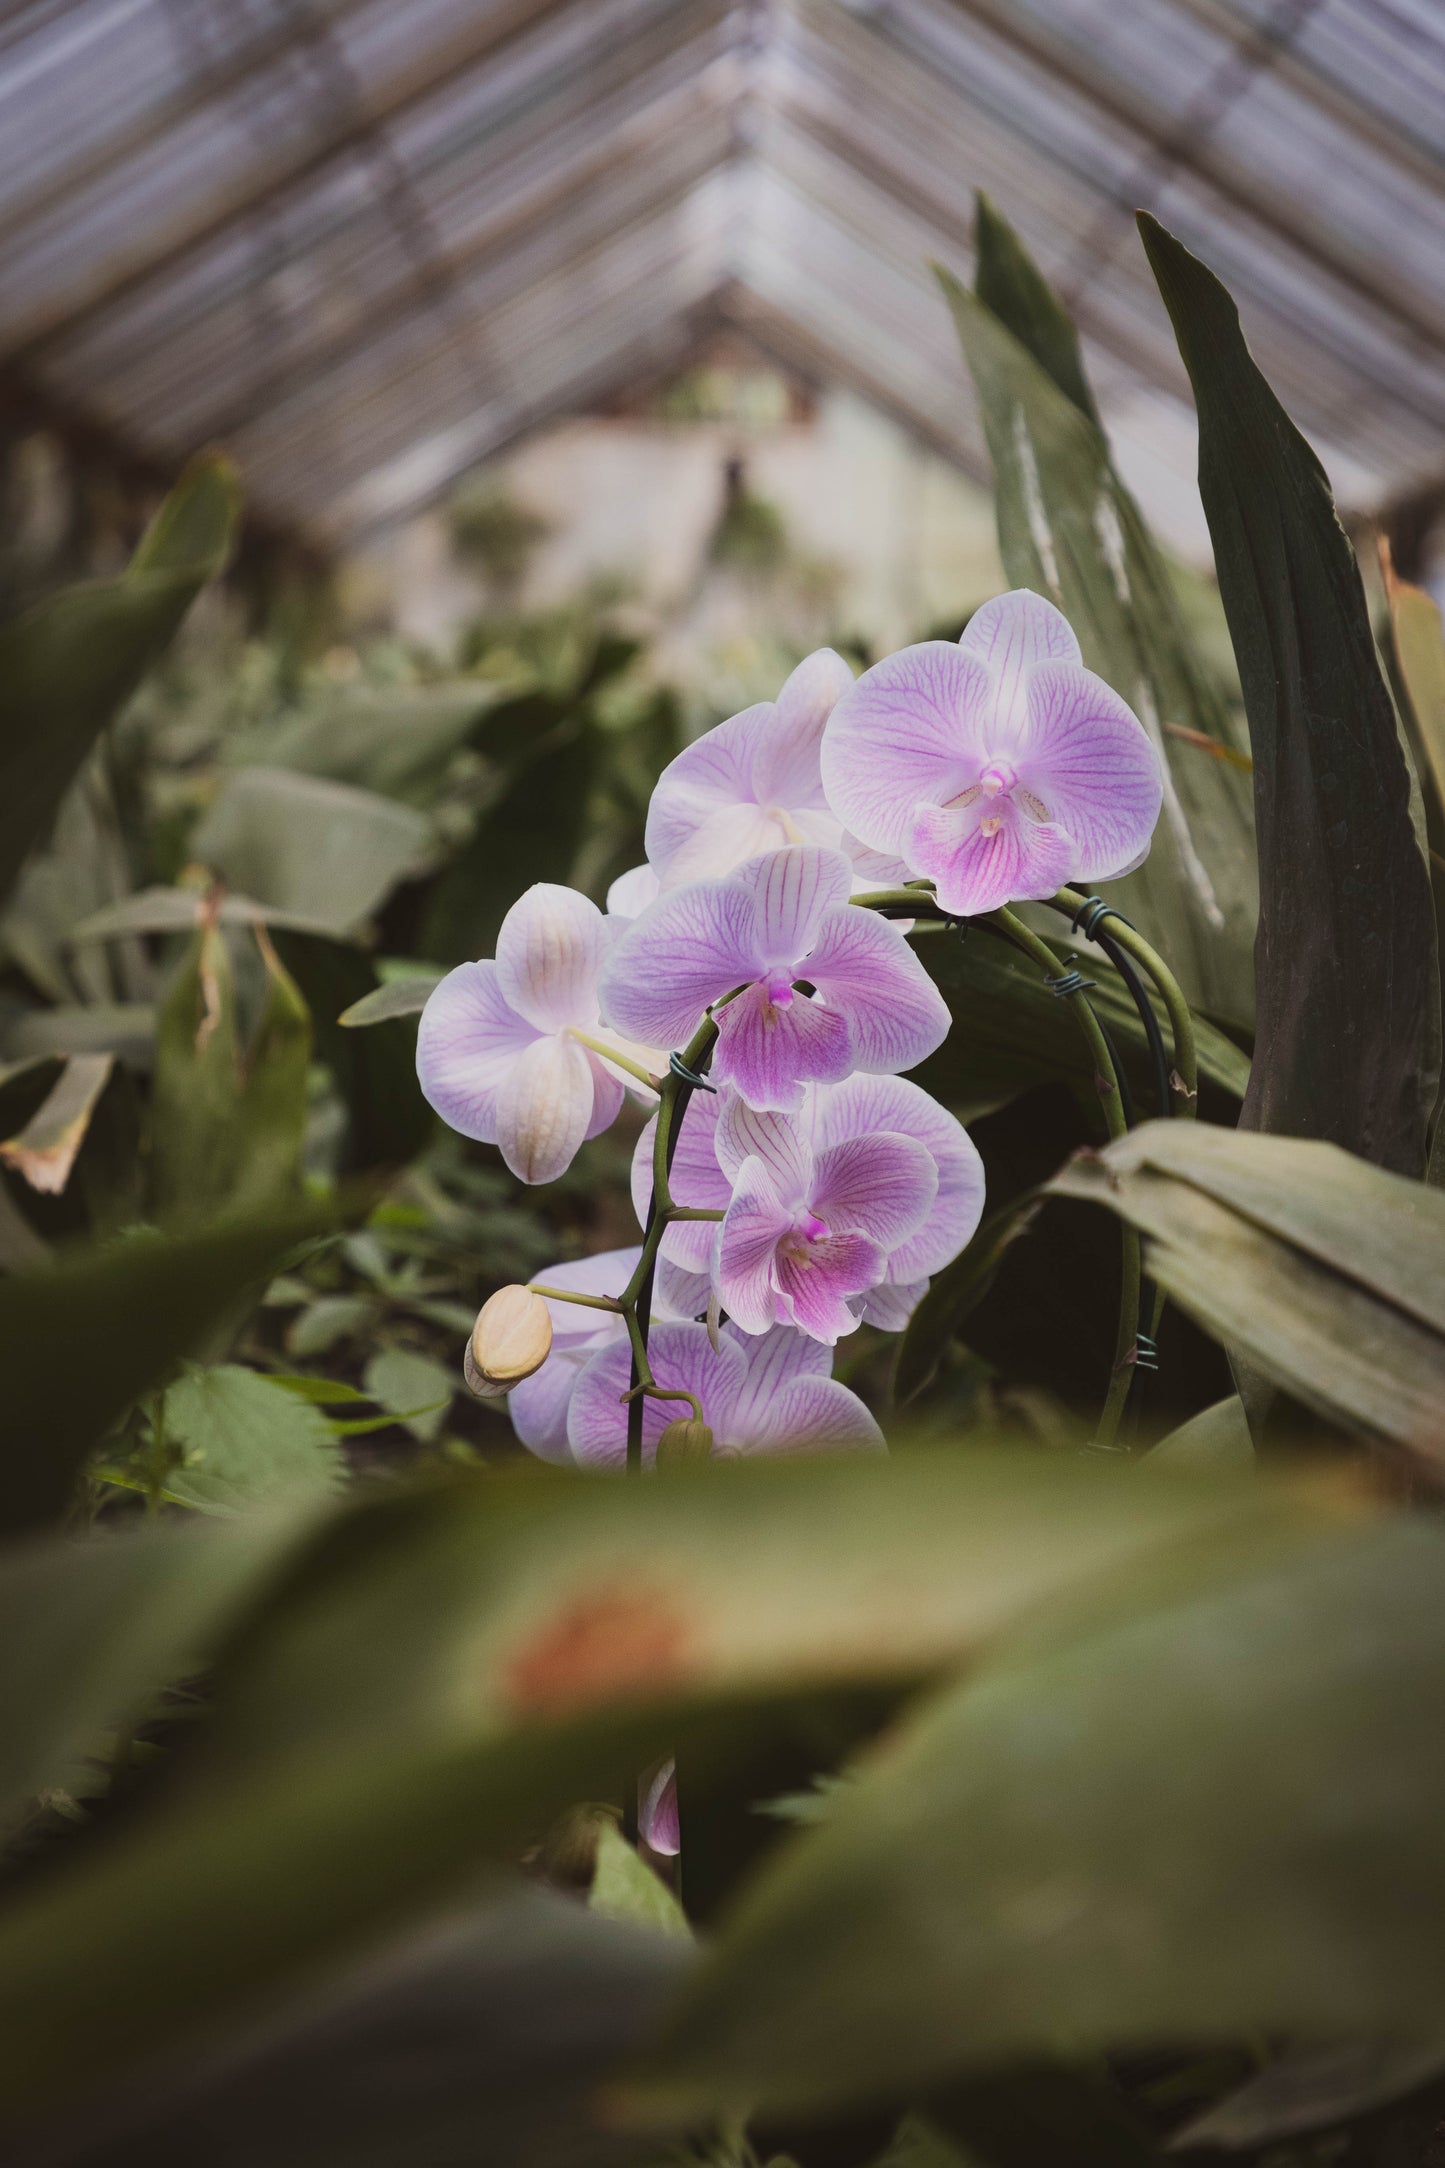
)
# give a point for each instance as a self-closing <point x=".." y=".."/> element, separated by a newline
<point x="1064" y="983"/>
<point x="680" y="1070"/>
<point x="1091" y="914"/>
<point x="1146" y="1352"/>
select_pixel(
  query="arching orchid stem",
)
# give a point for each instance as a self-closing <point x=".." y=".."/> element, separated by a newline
<point x="618" y="1061"/>
<point x="1070" y="902"/>
<point x="635" y="1301"/>
<point x="652" y="1391"/>
<point x="694" y="1212"/>
<point x="1121" y="1376"/>
<point x="587" y="1302"/>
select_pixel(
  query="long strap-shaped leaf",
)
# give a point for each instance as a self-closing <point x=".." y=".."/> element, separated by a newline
<point x="1347" y="1001"/>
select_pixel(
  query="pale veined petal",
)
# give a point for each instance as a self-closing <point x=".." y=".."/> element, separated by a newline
<point x="549" y="956"/>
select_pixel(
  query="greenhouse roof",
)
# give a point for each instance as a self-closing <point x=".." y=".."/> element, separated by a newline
<point x="364" y="245"/>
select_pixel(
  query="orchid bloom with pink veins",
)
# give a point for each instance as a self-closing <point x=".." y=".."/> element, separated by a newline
<point x="511" y="1051"/>
<point x="820" y="989"/>
<point x="769" y="1394"/>
<point x="804" y="1235"/>
<point x="538" y="1406"/>
<point x="752" y="784"/>
<point x="1000" y="767"/>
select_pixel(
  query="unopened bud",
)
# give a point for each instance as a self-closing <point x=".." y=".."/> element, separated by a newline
<point x="685" y="1440"/>
<point x="511" y="1338"/>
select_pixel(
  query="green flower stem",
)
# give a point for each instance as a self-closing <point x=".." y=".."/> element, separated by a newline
<point x="693" y="1212"/>
<point x="1181" y="1021"/>
<point x="618" y="1061"/>
<point x="1121" y="1376"/>
<point x="635" y="1301"/>
<point x="587" y="1302"/>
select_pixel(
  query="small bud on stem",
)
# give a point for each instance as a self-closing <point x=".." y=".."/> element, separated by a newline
<point x="684" y="1440"/>
<point x="511" y="1338"/>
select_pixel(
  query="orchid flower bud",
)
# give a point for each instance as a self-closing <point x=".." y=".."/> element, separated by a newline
<point x="684" y="1440"/>
<point x="511" y="1338"/>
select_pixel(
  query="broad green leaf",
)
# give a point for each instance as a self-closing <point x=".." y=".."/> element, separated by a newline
<point x="69" y="665"/>
<point x="126" y="1029"/>
<point x="1348" y="1041"/>
<point x="1216" y="1817"/>
<point x="1216" y="1439"/>
<point x="417" y="1390"/>
<point x="1069" y="529"/>
<point x="1010" y="1031"/>
<point x="1325" y="1273"/>
<point x="1039" y="2114"/>
<point x="98" y="1628"/>
<point x="244" y="1441"/>
<point x="955" y="1292"/>
<point x="397" y="997"/>
<point x="521" y="1642"/>
<point x="624" y="1887"/>
<point x="82" y="1339"/>
<point x="1310" y="2088"/>
<point x="327" y="852"/>
<point x="398" y="740"/>
<point x="226" y="1124"/>
<point x="485" y="2040"/>
<point x="325" y="1392"/>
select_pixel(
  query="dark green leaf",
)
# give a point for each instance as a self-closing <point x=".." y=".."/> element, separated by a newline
<point x="624" y="1887"/>
<point x="521" y="1642"/>
<point x="1309" y="2088"/>
<point x="1217" y="1816"/>
<point x="70" y="664"/>
<point x="44" y="1151"/>
<point x="96" y="1631"/>
<point x="1010" y="1031"/>
<point x="532" y="833"/>
<point x="1348" y="997"/>
<point x="1070" y="529"/>
<point x="82" y="1339"/>
<point x="1327" y="1274"/>
<point x="1217" y="1438"/>
<point x="178" y="910"/>
<point x="387" y="1120"/>
<point x="415" y="1389"/>
<point x="485" y="2041"/>
<point x="955" y="1293"/>
<point x="399" y="740"/>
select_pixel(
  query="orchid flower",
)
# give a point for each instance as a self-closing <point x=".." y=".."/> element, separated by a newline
<point x="710" y="1152"/>
<point x="750" y="785"/>
<point x="538" y="1406"/>
<point x="778" y="920"/>
<point x="999" y="767"/>
<point x="804" y="1234"/>
<point x="510" y="1051"/>
<point x="632" y="892"/>
<point x="765" y="1395"/>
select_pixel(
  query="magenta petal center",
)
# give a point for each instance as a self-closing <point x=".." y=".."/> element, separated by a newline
<point x="778" y="986"/>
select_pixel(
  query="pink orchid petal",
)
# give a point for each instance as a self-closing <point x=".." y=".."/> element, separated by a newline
<point x="817" y="1415"/>
<point x="658" y="1822"/>
<point x="766" y="1053"/>
<point x="792" y="892"/>
<point x="814" y="1292"/>
<point x="864" y="969"/>
<point x="682" y="1357"/>
<point x="973" y="873"/>
<point x="691" y="947"/>
<point x="680" y="1293"/>
<point x="863" y="1104"/>
<point x="914" y="727"/>
<point x="539" y="1405"/>
<point x="880" y="1186"/>
<point x="890" y="1305"/>
<point x="785" y="771"/>
<point x="757" y="1219"/>
<point x="711" y="774"/>
<point x="466" y="1044"/>
<point x="1088" y="759"/>
<point x="545" y="1108"/>
<point x="1012" y="633"/>
<point x="775" y="1361"/>
<point x="549" y="955"/>
<point x="743" y="1132"/>
<point x="607" y="1096"/>
<point x="632" y="892"/>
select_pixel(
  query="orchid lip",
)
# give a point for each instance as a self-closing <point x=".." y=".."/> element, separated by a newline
<point x="778" y="986"/>
<point x="997" y="779"/>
